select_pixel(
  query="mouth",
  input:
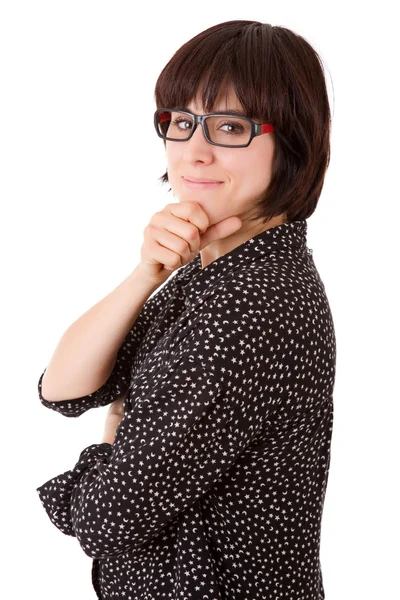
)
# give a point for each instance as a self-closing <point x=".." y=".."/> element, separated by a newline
<point x="201" y="184"/>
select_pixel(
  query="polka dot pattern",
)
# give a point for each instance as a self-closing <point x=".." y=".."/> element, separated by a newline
<point x="215" y="484"/>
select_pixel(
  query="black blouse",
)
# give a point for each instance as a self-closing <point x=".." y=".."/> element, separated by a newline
<point x="215" y="484"/>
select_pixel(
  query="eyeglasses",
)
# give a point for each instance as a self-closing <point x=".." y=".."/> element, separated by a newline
<point x="219" y="129"/>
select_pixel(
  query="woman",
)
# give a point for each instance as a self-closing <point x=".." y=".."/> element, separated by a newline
<point x="210" y="479"/>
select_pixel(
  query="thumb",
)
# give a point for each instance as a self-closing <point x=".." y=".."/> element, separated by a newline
<point x="220" y="230"/>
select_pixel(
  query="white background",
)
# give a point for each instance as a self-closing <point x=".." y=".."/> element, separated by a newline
<point x="80" y="163"/>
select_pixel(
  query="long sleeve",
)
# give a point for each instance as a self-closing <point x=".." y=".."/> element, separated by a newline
<point x="119" y="378"/>
<point x="122" y="502"/>
<point x="190" y="419"/>
<point x="55" y="495"/>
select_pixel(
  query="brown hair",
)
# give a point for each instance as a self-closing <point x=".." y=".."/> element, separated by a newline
<point x="278" y="78"/>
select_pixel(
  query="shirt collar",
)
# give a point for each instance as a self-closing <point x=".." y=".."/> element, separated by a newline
<point x="196" y="282"/>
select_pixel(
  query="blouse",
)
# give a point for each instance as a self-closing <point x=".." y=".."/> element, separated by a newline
<point x="215" y="484"/>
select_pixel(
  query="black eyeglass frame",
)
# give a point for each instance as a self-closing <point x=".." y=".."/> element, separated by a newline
<point x="256" y="128"/>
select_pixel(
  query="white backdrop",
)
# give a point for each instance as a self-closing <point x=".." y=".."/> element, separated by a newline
<point x="80" y="161"/>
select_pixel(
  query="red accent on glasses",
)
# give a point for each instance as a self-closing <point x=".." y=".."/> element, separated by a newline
<point x="165" y="116"/>
<point x="267" y="128"/>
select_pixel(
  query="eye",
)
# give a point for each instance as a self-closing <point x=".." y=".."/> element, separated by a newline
<point x="235" y="127"/>
<point x="179" y="120"/>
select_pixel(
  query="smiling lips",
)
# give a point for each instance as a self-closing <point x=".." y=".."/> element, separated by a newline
<point x="201" y="184"/>
<point x="197" y="180"/>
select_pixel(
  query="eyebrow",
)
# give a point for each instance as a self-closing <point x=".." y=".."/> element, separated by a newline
<point x="233" y="111"/>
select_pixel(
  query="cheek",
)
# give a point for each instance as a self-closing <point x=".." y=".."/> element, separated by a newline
<point x="256" y="168"/>
<point x="246" y="169"/>
<point x="173" y="154"/>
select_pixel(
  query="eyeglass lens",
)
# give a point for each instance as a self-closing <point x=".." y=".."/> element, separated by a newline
<point x="232" y="131"/>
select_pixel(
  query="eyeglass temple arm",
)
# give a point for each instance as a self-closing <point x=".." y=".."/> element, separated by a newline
<point x="265" y="128"/>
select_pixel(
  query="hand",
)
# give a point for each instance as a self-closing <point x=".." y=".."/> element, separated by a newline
<point x="176" y="234"/>
<point x="114" y="417"/>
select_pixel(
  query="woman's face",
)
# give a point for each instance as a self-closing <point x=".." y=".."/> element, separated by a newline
<point x="245" y="172"/>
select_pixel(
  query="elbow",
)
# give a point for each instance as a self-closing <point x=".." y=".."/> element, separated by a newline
<point x="93" y="544"/>
<point x="64" y="408"/>
<point x="106" y="543"/>
<point x="98" y="548"/>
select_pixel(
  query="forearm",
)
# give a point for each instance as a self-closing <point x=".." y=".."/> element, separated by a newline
<point x="111" y="425"/>
<point x="85" y="355"/>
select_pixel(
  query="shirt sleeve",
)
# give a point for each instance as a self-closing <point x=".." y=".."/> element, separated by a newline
<point x="188" y="424"/>
<point x="119" y="379"/>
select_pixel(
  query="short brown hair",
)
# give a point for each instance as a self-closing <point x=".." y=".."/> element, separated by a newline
<point x="278" y="78"/>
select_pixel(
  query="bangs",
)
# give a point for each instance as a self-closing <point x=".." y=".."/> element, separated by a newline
<point x="208" y="65"/>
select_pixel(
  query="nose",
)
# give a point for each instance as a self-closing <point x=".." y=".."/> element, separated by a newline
<point x="199" y="133"/>
<point x="198" y="146"/>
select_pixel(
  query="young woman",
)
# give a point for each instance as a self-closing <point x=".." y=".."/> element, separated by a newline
<point x="210" y="479"/>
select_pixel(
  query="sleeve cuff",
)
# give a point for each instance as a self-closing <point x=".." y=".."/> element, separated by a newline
<point x="74" y="407"/>
<point x="55" y="494"/>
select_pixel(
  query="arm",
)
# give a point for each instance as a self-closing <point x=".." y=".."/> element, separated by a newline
<point x="92" y="362"/>
<point x="188" y="425"/>
<point x="120" y="496"/>
<point x="114" y="417"/>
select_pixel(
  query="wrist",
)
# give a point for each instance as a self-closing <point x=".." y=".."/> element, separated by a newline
<point x="112" y="422"/>
<point x="107" y="441"/>
<point x="140" y="279"/>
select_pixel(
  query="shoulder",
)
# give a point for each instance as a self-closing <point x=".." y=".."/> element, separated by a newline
<point x="242" y="323"/>
<point x="248" y="294"/>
